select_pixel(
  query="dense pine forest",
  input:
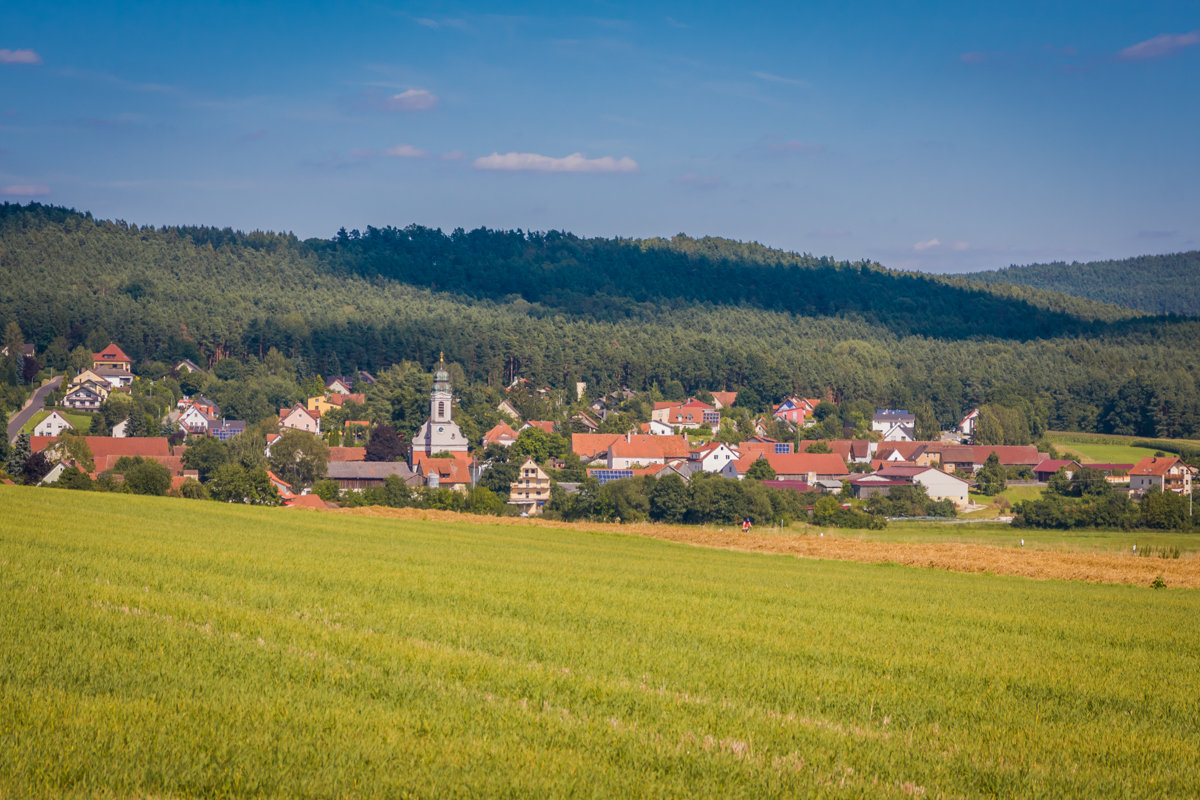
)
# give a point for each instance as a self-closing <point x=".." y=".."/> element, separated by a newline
<point x="555" y="308"/>
<point x="1167" y="284"/>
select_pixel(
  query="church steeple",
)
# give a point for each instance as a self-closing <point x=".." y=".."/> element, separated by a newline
<point x="440" y="433"/>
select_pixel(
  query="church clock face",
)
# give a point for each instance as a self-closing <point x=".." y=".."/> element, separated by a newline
<point x="440" y="430"/>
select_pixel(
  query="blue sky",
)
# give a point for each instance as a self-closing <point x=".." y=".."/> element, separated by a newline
<point x="936" y="136"/>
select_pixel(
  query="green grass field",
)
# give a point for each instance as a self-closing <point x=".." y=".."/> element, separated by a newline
<point x="1105" y="448"/>
<point x="1000" y="534"/>
<point x="82" y="422"/>
<point x="168" y="648"/>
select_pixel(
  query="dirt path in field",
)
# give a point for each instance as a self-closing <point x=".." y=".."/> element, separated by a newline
<point x="1183" y="572"/>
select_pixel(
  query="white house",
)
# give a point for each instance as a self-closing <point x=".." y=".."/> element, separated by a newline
<point x="895" y="425"/>
<point x="967" y="426"/>
<point x="714" y="457"/>
<point x="52" y="425"/>
<point x="938" y="485"/>
<point x="301" y="419"/>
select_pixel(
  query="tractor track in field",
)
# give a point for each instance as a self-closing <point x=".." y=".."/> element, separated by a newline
<point x="1182" y="572"/>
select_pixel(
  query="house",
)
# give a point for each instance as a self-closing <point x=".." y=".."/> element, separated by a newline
<point x="121" y="429"/>
<point x="624" y="454"/>
<point x="1045" y="469"/>
<point x="187" y="365"/>
<point x="969" y="458"/>
<point x="509" y="410"/>
<point x="723" y="400"/>
<point x="501" y="433"/>
<point x="366" y="377"/>
<point x="301" y="419"/>
<point x="908" y="452"/>
<point x="54" y="424"/>
<point x="585" y="419"/>
<point x="967" y="425"/>
<point x="690" y="415"/>
<point x="86" y="397"/>
<point x="195" y="420"/>
<point x="113" y="376"/>
<point x="895" y="425"/>
<point x="439" y="433"/>
<point x="107" y="450"/>
<point x="591" y="446"/>
<point x="112" y="356"/>
<point x="761" y="445"/>
<point x="855" y="451"/>
<point x="89" y="376"/>
<point x="865" y="487"/>
<point x="531" y="490"/>
<point x="938" y="485"/>
<point x="656" y="428"/>
<point x="453" y="471"/>
<point x="282" y="487"/>
<point x="713" y="457"/>
<point x="357" y="475"/>
<point x="339" y="385"/>
<point x="1167" y="473"/>
<point x="225" y="429"/>
<point x="541" y="424"/>
<point x="795" y="410"/>
<point x="808" y="467"/>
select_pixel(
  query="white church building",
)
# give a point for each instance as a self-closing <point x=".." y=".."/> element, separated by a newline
<point x="439" y="433"/>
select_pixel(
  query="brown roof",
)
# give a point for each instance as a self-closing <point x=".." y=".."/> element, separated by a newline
<point x="726" y="399"/>
<point x="543" y="424"/>
<point x="638" y="449"/>
<point x="978" y="454"/>
<point x="456" y="470"/>
<point x="802" y="463"/>
<point x="499" y="430"/>
<point x="589" y="445"/>
<point x="343" y="454"/>
<point x="103" y="446"/>
<point x="909" y="451"/>
<point x="671" y="446"/>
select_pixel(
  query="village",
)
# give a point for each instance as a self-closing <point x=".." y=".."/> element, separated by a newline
<point x="680" y="438"/>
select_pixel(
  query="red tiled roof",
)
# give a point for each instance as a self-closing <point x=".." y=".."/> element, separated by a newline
<point x="588" y="445"/>
<point x="347" y="454"/>
<point x="307" y="501"/>
<point x="450" y="471"/>
<point x="726" y="399"/>
<point x="1154" y="465"/>
<point x="500" y="430"/>
<point x="543" y="424"/>
<point x="802" y="463"/>
<point x="1054" y="464"/>
<point x="637" y="450"/>
<point x="111" y="354"/>
<point x="102" y="446"/>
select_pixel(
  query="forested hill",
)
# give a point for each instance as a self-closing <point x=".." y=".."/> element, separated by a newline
<point x="613" y="279"/>
<point x="553" y="308"/>
<point x="1167" y="284"/>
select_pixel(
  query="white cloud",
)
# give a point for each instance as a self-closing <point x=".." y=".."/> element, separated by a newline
<point x="1160" y="46"/>
<point x="533" y="162"/>
<point x="25" y="190"/>
<point x="26" y="56"/>
<point x="406" y="151"/>
<point x="937" y="244"/>
<point x="411" y="100"/>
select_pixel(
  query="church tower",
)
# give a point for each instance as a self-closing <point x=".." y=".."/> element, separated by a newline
<point x="440" y="434"/>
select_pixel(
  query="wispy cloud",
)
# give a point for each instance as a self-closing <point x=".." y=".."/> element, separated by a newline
<point x="406" y="151"/>
<point x="674" y="23"/>
<point x="772" y="78"/>
<point x="694" y="180"/>
<point x="937" y="244"/>
<point x="25" y="190"/>
<point x="1160" y="46"/>
<point x="411" y="100"/>
<point x="436" y="24"/>
<point x="453" y="155"/>
<point x="533" y="162"/>
<point x="25" y="56"/>
<point x="973" y="57"/>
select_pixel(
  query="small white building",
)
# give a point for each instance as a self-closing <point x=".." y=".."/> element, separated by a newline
<point x="714" y="457"/>
<point x="52" y="425"/>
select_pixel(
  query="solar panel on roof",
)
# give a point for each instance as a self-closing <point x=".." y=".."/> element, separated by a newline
<point x="606" y="475"/>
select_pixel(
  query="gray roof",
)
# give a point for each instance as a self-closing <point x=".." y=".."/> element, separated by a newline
<point x="367" y="470"/>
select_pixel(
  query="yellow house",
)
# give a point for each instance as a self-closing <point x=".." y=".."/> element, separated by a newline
<point x="321" y="404"/>
<point x="531" y="490"/>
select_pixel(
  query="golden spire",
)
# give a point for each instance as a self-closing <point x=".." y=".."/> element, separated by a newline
<point x="442" y="357"/>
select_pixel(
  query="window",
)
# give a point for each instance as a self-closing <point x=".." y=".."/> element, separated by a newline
<point x="441" y="408"/>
